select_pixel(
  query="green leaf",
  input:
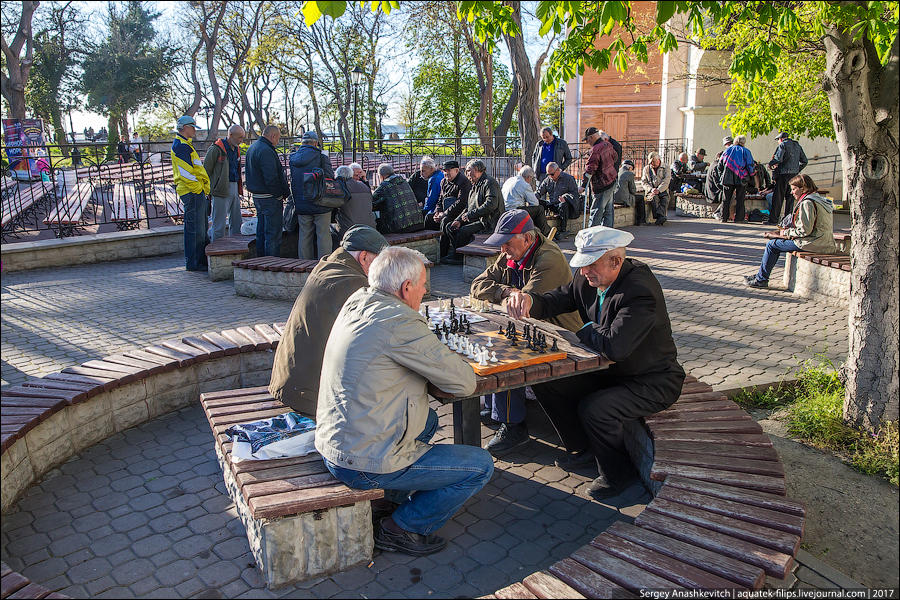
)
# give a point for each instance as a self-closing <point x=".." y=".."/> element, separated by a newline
<point x="664" y="11"/>
<point x="332" y="8"/>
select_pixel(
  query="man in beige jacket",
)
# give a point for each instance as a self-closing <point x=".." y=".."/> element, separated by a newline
<point x="298" y="359"/>
<point x="373" y="420"/>
<point x="531" y="263"/>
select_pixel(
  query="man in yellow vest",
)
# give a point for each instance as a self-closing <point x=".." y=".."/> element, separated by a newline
<point x="192" y="185"/>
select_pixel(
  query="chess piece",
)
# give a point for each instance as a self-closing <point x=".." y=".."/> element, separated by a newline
<point x="489" y="344"/>
<point x="543" y="340"/>
<point x="482" y="358"/>
<point x="493" y="357"/>
<point x="468" y="328"/>
<point x="554" y="347"/>
<point x="525" y="330"/>
<point x="443" y="338"/>
<point x="512" y="340"/>
<point x="427" y="316"/>
<point x="501" y="332"/>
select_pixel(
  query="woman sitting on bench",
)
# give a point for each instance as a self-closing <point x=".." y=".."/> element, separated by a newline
<point x="809" y="228"/>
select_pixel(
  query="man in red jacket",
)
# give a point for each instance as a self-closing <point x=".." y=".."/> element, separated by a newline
<point x="600" y="172"/>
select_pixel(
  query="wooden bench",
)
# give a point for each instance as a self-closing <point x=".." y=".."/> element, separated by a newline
<point x="819" y="277"/>
<point x="282" y="278"/>
<point x="17" y="202"/>
<point x="14" y="585"/>
<point x="425" y="241"/>
<point x="222" y="253"/>
<point x="66" y="214"/>
<point x="719" y="518"/>
<point x="171" y="201"/>
<point x="301" y="522"/>
<point x="125" y="206"/>
<point x="477" y="257"/>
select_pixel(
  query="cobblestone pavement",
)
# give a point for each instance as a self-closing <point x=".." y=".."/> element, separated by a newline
<point x="145" y="513"/>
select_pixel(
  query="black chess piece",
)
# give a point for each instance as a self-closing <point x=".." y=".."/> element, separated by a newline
<point x="468" y="328"/>
<point x="426" y="312"/>
<point x="512" y="340"/>
<point x="525" y="330"/>
<point x="554" y="347"/>
<point x="452" y="306"/>
<point x="528" y="343"/>
<point x="501" y="332"/>
<point x="543" y="340"/>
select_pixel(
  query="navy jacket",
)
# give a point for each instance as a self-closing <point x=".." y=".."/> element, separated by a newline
<point x="632" y="329"/>
<point x="303" y="161"/>
<point x="263" y="173"/>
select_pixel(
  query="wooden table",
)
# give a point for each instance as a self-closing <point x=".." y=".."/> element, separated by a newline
<point x="467" y="411"/>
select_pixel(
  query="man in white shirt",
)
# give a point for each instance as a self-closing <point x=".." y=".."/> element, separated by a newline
<point x="518" y="192"/>
<point x="136" y="142"/>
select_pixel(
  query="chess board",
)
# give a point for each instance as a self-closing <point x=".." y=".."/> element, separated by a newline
<point x="438" y="316"/>
<point x="509" y="357"/>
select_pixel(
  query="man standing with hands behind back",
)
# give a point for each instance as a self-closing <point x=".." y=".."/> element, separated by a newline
<point x="268" y="184"/>
<point x="626" y="320"/>
<point x="192" y="185"/>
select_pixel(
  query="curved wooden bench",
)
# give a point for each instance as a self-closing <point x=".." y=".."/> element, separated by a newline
<point x="15" y="585"/>
<point x="221" y="253"/>
<point x="819" y="277"/>
<point x="719" y="518"/>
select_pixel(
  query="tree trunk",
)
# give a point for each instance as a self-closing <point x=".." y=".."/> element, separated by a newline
<point x="19" y="67"/>
<point x="58" y="129"/>
<point x="527" y="85"/>
<point x="112" y="127"/>
<point x="863" y="98"/>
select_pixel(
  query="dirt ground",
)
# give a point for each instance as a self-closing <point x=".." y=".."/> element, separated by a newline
<point x="852" y="519"/>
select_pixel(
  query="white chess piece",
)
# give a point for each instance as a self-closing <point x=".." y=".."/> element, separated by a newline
<point x="482" y="358"/>
<point x="443" y="338"/>
<point x="489" y="344"/>
<point x="452" y="342"/>
<point x="471" y="353"/>
<point x="493" y="357"/>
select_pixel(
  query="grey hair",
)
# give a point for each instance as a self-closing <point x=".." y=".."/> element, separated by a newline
<point x="552" y="164"/>
<point x="385" y="170"/>
<point x="344" y="172"/>
<point x="427" y="161"/>
<point x="269" y="130"/>
<point x="235" y="128"/>
<point x="548" y="130"/>
<point x="652" y="155"/>
<point x="394" y="266"/>
<point x="531" y="234"/>
<point x="179" y="128"/>
<point x="603" y="135"/>
<point x="609" y="254"/>
<point x="683" y="155"/>
<point x="355" y="166"/>
<point x="476" y="164"/>
<point x="740" y="140"/>
<point x="526" y="172"/>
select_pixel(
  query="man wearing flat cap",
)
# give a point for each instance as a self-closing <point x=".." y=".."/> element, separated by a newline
<point x="531" y="263"/>
<point x="298" y="359"/>
<point x="451" y="201"/>
<point x="623" y="307"/>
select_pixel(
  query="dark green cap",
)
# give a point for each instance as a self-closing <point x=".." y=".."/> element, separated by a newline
<point x="363" y="238"/>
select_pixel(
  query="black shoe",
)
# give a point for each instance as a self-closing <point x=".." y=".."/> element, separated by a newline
<point x="756" y="283"/>
<point x="577" y="461"/>
<point x="201" y="268"/>
<point x="451" y="259"/>
<point x="601" y="488"/>
<point x="414" y="544"/>
<point x="488" y="421"/>
<point x="661" y="221"/>
<point x="749" y="278"/>
<point x="509" y="437"/>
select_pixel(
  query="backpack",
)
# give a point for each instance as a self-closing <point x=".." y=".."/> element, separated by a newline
<point x="321" y="191"/>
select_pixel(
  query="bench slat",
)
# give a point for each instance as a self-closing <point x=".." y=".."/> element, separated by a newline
<point x="665" y="566"/>
<point x="251" y="391"/>
<point x="314" y="466"/>
<point x="740" y="439"/>
<point x="272" y="336"/>
<point x="747" y="426"/>
<point x="222" y="342"/>
<point x="48" y="405"/>
<point x="589" y="583"/>
<point x="774" y="563"/>
<point x="96" y="385"/>
<point x="278" y="505"/>
<point x="726" y="450"/>
<point x="260" y="396"/>
<point x="698" y="397"/>
<point x="32" y="590"/>
<point x="723" y="463"/>
<point x="235" y="337"/>
<point x="249" y="417"/>
<point x="179" y="346"/>
<point x="622" y="572"/>
<point x="690" y="388"/>
<point x="209" y="348"/>
<point x="696" y="416"/>
<point x="166" y="362"/>
<point x="215" y="413"/>
<point x="184" y="360"/>
<point x="735" y="571"/>
<point x="722" y="405"/>
<point x="763" y="483"/>
<point x="544" y="585"/>
<point x="260" y="343"/>
<point x="515" y="591"/>
<point x="121" y="359"/>
<point x="11" y="583"/>
<point x="294" y="484"/>
<point x="735" y="510"/>
<point x="745" y="496"/>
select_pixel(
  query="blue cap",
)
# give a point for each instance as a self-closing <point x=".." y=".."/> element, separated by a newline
<point x="510" y="224"/>
<point x="187" y="120"/>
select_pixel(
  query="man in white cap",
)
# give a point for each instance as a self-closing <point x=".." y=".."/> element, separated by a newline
<point x="623" y="307"/>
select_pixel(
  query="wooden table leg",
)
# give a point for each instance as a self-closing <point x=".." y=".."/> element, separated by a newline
<point x="467" y="421"/>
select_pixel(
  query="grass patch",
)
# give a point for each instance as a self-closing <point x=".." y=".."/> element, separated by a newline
<point x="814" y="409"/>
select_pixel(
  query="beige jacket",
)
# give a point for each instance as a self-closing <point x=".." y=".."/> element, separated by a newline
<point x="813" y="229"/>
<point x="373" y="399"/>
<point x="546" y="270"/>
<point x="298" y="358"/>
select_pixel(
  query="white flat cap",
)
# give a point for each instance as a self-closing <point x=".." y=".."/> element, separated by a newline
<point x="594" y="242"/>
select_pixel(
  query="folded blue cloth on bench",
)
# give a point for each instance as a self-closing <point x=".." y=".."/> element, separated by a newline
<point x="282" y="436"/>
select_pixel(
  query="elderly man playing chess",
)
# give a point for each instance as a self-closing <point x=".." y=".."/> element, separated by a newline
<point x="625" y="316"/>
<point x="531" y="263"/>
<point x="373" y="419"/>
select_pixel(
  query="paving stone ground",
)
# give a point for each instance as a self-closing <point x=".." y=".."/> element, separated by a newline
<point x="145" y="513"/>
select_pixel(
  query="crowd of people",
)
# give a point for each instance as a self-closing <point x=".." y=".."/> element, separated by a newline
<point x="357" y="355"/>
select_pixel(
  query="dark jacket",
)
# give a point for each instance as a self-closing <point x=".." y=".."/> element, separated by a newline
<point x="712" y="189"/>
<point x="618" y="148"/>
<point x="561" y="154"/>
<point x="679" y="170"/>
<point x="216" y="165"/>
<point x="419" y="186"/>
<point x="546" y="269"/>
<point x="485" y="203"/>
<point x="627" y="189"/>
<point x="789" y="158"/>
<point x="632" y="329"/>
<point x="454" y="195"/>
<point x="298" y="358"/>
<point x="303" y="161"/>
<point x="358" y="210"/>
<point x="263" y="173"/>
<point x="397" y="204"/>
<point x="601" y="167"/>
<point x="564" y="189"/>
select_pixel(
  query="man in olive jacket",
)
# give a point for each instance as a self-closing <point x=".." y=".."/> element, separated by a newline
<point x="298" y="359"/>
<point x="223" y="164"/>
<point x="485" y="205"/>
<point x="532" y="263"/>
<point x="373" y="423"/>
<point x="623" y="307"/>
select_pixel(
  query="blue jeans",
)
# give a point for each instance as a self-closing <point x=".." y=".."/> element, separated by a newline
<point x="444" y="478"/>
<point x="602" y="208"/>
<point x="773" y="251"/>
<point x="269" y="223"/>
<point x="194" y="231"/>
<point x="508" y="406"/>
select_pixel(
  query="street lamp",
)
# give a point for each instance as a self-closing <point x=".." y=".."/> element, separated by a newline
<point x="561" y="96"/>
<point x="355" y="76"/>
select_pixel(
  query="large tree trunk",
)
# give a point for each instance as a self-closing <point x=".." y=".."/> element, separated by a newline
<point x="19" y="67"/>
<point x="527" y="86"/>
<point x="863" y="98"/>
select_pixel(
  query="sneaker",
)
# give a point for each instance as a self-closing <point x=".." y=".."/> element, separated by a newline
<point x="577" y="461"/>
<point x="488" y="421"/>
<point x="601" y="488"/>
<point x="413" y="544"/>
<point x="749" y="278"/>
<point x="756" y="283"/>
<point x="509" y="437"/>
<point x="661" y="221"/>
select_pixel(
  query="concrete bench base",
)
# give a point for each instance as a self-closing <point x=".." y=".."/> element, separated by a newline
<point x="291" y="549"/>
<point x="473" y="266"/>
<point x="696" y="206"/>
<point x="624" y="217"/>
<point x="817" y="282"/>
